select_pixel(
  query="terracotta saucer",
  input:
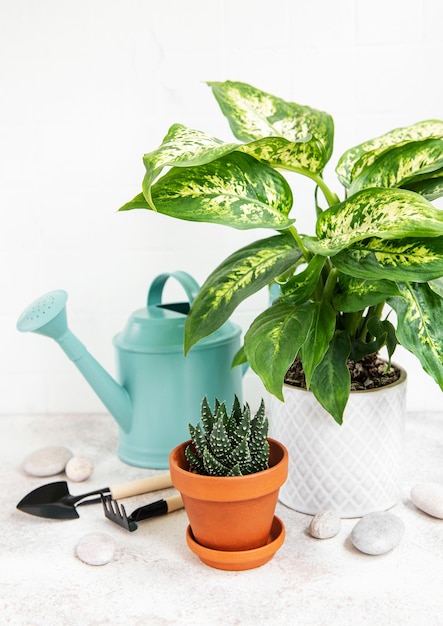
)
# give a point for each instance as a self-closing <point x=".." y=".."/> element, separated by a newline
<point x="240" y="559"/>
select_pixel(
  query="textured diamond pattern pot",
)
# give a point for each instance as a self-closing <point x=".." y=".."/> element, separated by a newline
<point x="354" y="468"/>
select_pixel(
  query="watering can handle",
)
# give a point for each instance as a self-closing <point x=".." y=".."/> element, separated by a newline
<point x="188" y="283"/>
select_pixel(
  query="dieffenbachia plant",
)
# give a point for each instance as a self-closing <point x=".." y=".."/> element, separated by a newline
<point x="229" y="444"/>
<point x="381" y="244"/>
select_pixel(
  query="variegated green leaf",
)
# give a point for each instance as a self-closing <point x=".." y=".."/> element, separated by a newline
<point x="356" y="294"/>
<point x="383" y="213"/>
<point x="139" y="202"/>
<point x="274" y="339"/>
<point x="243" y="273"/>
<point x="299" y="288"/>
<point x="181" y="147"/>
<point x="356" y="159"/>
<point x="303" y="157"/>
<point x="419" y="313"/>
<point x="430" y="188"/>
<point x="235" y="190"/>
<point x="397" y="166"/>
<point x="317" y="341"/>
<point x="437" y="286"/>
<point x="410" y="259"/>
<point x="254" y="114"/>
<point x="331" y="383"/>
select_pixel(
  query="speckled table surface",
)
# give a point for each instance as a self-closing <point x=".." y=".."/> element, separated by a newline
<point x="156" y="580"/>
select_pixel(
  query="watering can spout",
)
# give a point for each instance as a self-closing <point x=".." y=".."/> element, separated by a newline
<point x="47" y="316"/>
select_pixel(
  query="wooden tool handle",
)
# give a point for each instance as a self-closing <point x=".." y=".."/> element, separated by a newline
<point x="136" y="487"/>
<point x="174" y="503"/>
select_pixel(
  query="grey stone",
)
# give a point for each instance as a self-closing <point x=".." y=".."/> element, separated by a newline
<point x="96" y="549"/>
<point x="428" y="497"/>
<point x="377" y="533"/>
<point x="78" y="468"/>
<point x="325" y="524"/>
<point x="47" y="461"/>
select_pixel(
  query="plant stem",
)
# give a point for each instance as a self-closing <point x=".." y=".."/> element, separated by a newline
<point x="330" y="197"/>
<point x="298" y="239"/>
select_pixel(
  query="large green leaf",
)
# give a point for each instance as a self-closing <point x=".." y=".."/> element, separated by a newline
<point x="420" y="312"/>
<point x="254" y="114"/>
<point x="375" y="212"/>
<point x="242" y="274"/>
<point x="357" y="294"/>
<point x="397" y="166"/>
<point x="431" y="188"/>
<point x="274" y="339"/>
<point x="139" y="202"/>
<point x="331" y="381"/>
<point x="410" y="259"/>
<point x="356" y="159"/>
<point x="235" y="190"/>
<point x="183" y="147"/>
<point x="300" y="287"/>
<point x="317" y="341"/>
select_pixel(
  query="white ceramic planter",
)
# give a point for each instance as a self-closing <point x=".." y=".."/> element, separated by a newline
<point x="354" y="468"/>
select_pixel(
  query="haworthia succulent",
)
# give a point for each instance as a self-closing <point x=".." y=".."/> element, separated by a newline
<point x="356" y="159"/>
<point x="375" y="212"/>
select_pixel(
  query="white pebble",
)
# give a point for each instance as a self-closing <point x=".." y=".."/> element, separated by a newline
<point x="377" y="533"/>
<point x="428" y="497"/>
<point x="78" y="468"/>
<point x="96" y="549"/>
<point x="325" y="524"/>
<point x="47" y="461"/>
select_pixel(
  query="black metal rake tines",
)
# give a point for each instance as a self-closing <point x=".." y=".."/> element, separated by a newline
<point x="116" y="513"/>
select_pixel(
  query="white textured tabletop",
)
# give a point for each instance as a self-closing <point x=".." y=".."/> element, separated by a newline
<point x="156" y="580"/>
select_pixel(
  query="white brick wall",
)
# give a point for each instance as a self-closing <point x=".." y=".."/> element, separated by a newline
<point x="87" y="87"/>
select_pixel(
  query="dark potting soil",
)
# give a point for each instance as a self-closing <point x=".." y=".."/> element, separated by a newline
<point x="371" y="372"/>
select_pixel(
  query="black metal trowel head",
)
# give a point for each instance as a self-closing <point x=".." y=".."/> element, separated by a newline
<point x="52" y="500"/>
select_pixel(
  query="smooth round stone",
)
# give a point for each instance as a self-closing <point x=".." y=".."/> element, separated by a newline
<point x="96" y="549"/>
<point x="47" y="461"/>
<point x="325" y="524"/>
<point x="78" y="468"/>
<point x="377" y="533"/>
<point x="428" y="497"/>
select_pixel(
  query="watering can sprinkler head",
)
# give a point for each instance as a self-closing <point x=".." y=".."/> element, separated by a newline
<point x="46" y="315"/>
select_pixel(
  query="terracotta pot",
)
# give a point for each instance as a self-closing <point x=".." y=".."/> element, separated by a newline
<point x="354" y="468"/>
<point x="233" y="513"/>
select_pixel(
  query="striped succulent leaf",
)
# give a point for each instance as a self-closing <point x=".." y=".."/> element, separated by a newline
<point x="242" y="274"/>
<point x="398" y="166"/>
<point x="356" y="294"/>
<point x="235" y="190"/>
<point x="274" y="339"/>
<point x="181" y="147"/>
<point x="254" y="114"/>
<point x="331" y="379"/>
<point x="410" y="259"/>
<point x="419" y="312"/>
<point x="375" y="212"/>
<point x="356" y="159"/>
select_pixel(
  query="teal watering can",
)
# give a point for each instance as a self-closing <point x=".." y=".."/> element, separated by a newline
<point x="159" y="390"/>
